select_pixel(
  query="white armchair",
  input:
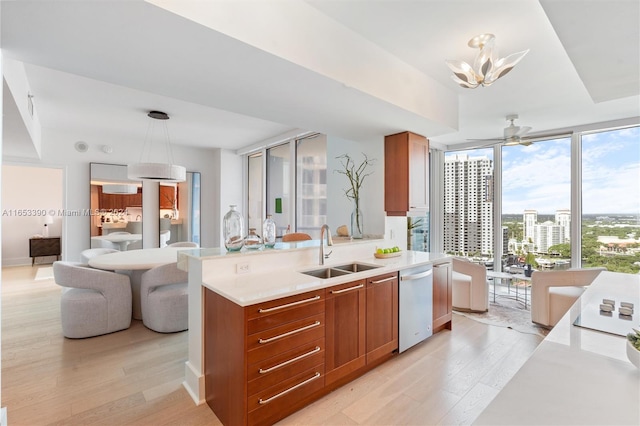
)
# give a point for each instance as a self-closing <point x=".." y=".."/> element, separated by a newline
<point x="94" y="302"/>
<point x="164" y="299"/>
<point x="554" y="292"/>
<point x="470" y="288"/>
<point x="91" y="253"/>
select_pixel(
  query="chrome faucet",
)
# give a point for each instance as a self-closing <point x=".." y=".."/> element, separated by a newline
<point x="138" y="217"/>
<point x="329" y="243"/>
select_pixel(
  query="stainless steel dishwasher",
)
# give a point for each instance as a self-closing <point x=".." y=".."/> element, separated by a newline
<point x="416" y="306"/>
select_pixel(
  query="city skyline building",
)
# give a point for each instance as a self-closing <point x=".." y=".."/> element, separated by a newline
<point x="468" y="206"/>
<point x="563" y="218"/>
<point x="529" y="219"/>
<point x="546" y="234"/>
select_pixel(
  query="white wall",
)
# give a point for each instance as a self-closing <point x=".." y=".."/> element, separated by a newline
<point x="28" y="195"/>
<point x="339" y="207"/>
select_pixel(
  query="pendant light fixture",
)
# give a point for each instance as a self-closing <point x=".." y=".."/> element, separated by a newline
<point x="118" y="189"/>
<point x="487" y="68"/>
<point x="164" y="172"/>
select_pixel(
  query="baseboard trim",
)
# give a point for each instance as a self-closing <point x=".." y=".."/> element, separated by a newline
<point x="194" y="383"/>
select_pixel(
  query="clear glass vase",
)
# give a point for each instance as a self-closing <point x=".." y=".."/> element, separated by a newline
<point x="233" y="229"/>
<point x="357" y="224"/>
<point x="253" y="241"/>
<point x="269" y="232"/>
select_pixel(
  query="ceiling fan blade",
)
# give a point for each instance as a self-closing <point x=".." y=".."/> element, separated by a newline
<point x="523" y="130"/>
<point x="487" y="140"/>
<point x="480" y="143"/>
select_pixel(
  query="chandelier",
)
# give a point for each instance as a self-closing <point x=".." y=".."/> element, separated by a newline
<point x="487" y="68"/>
<point x="165" y="172"/>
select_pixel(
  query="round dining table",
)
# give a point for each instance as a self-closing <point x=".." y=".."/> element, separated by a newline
<point x="134" y="263"/>
<point x="121" y="240"/>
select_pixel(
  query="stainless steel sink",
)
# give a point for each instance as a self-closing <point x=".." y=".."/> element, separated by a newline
<point x="336" y="271"/>
<point x="356" y="267"/>
<point x="326" y="273"/>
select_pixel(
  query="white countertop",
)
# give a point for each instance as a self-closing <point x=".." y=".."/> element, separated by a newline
<point x="248" y="289"/>
<point x="577" y="375"/>
<point x="112" y="225"/>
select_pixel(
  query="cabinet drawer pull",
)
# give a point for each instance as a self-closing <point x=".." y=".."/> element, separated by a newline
<point x="292" y="388"/>
<point x="383" y="280"/>
<point x="299" y="302"/>
<point x="282" y="364"/>
<point x="344" y="290"/>
<point x="289" y="333"/>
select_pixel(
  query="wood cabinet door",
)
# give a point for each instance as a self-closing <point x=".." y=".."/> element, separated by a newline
<point x="345" y="317"/>
<point x="442" y="296"/>
<point x="168" y="197"/>
<point x="418" y="174"/>
<point x="406" y="174"/>
<point x="382" y="316"/>
<point x="118" y="202"/>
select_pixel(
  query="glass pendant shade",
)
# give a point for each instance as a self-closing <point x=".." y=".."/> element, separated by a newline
<point x="487" y="68"/>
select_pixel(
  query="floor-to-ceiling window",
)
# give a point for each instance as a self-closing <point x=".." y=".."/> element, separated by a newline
<point x="255" y="204"/>
<point x="611" y="200"/>
<point x="279" y="191"/>
<point x="536" y="203"/>
<point x="311" y="184"/>
<point x="288" y="180"/>
<point x="536" y="193"/>
<point x="468" y="204"/>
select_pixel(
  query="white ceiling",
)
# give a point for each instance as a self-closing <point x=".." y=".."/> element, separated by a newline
<point x="348" y="68"/>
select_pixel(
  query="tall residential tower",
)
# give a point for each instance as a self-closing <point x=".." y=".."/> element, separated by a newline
<point x="468" y="205"/>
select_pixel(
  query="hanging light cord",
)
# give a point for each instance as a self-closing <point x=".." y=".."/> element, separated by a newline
<point x="147" y="146"/>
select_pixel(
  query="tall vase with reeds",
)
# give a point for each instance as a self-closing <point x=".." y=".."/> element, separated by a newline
<point x="356" y="175"/>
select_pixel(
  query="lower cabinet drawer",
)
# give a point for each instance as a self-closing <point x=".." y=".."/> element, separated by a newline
<point x="278" y="401"/>
<point x="274" y="370"/>
<point x="277" y="340"/>
<point x="265" y="322"/>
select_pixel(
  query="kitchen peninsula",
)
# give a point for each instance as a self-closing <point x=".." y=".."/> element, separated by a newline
<point x="266" y="338"/>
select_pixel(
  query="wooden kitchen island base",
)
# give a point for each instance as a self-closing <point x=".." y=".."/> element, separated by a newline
<point x="264" y="362"/>
<point x="279" y="338"/>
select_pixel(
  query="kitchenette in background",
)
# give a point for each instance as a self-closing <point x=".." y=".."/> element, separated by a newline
<point x="117" y="207"/>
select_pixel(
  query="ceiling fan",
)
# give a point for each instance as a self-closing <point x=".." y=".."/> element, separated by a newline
<point x="513" y="135"/>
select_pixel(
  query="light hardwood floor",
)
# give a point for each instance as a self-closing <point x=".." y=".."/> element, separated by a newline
<point x="134" y="377"/>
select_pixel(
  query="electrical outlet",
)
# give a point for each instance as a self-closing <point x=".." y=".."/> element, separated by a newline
<point x="242" y="268"/>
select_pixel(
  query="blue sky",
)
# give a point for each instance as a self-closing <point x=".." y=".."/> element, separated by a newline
<point x="538" y="176"/>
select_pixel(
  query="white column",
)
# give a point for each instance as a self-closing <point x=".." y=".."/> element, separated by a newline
<point x="150" y="214"/>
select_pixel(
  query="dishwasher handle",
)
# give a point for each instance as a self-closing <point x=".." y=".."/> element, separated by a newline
<point x="416" y="276"/>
